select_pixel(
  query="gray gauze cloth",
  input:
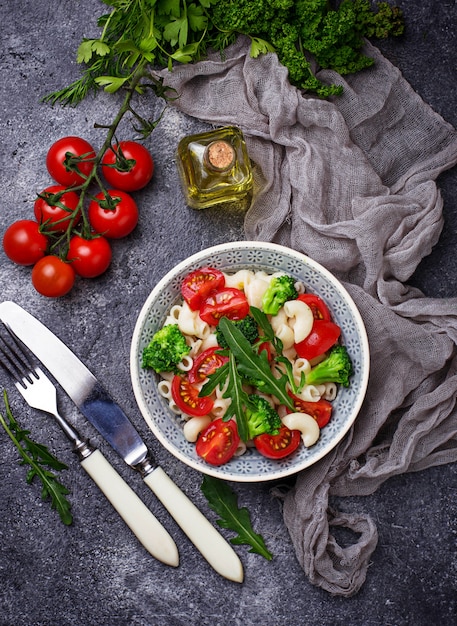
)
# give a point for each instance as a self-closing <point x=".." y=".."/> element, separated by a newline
<point x="351" y="183"/>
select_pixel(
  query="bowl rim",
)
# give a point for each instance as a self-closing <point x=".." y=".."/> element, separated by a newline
<point x="185" y="265"/>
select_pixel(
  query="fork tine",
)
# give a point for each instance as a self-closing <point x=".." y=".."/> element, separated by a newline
<point x="15" y="360"/>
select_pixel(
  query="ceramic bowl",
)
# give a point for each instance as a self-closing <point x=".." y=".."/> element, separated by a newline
<point x="231" y="257"/>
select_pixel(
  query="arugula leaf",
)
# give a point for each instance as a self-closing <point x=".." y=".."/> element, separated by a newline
<point x="239" y="400"/>
<point x="254" y="366"/>
<point x="40" y="460"/>
<point x="269" y="335"/>
<point x="223" y="501"/>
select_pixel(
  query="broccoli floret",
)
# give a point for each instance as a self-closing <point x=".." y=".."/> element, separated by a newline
<point x="280" y="289"/>
<point x="261" y="417"/>
<point x="248" y="326"/>
<point x="166" y="349"/>
<point x="336" y="368"/>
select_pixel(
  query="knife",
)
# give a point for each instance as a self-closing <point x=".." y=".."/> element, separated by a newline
<point x="112" y="423"/>
<point x="40" y="393"/>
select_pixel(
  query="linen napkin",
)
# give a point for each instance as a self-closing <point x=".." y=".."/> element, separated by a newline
<point x="351" y="182"/>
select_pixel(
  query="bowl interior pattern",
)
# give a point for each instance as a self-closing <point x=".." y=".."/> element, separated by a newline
<point x="167" y="426"/>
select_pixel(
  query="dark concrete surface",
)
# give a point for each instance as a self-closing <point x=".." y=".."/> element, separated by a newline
<point x="95" y="573"/>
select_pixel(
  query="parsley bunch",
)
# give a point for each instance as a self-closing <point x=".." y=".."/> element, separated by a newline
<point x="141" y="34"/>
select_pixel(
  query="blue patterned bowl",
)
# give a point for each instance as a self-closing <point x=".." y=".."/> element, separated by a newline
<point x="231" y="257"/>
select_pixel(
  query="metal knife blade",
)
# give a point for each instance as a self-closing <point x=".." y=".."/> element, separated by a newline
<point x="112" y="423"/>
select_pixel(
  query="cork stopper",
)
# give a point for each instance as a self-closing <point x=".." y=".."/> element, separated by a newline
<point x="219" y="155"/>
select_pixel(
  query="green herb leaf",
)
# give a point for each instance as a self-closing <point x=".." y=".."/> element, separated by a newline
<point x="197" y="19"/>
<point x="260" y="46"/>
<point x="40" y="459"/>
<point x="223" y="501"/>
<point x="176" y="31"/>
<point x="239" y="400"/>
<point x="254" y="366"/>
<point x="110" y="83"/>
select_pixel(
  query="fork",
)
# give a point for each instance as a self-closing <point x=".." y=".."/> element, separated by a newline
<point x="40" y="393"/>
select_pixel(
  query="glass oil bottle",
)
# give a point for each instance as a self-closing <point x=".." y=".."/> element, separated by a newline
<point x="214" y="168"/>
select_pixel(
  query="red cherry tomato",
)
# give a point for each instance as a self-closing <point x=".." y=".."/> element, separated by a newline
<point x="116" y="222"/>
<point x="218" y="442"/>
<point x="89" y="257"/>
<point x="59" y="156"/>
<point x="317" y="306"/>
<point x="128" y="165"/>
<point x="187" y="398"/>
<point x="322" y="337"/>
<point x="57" y="217"/>
<point x="229" y="302"/>
<point x="280" y="445"/>
<point x="52" y="277"/>
<point x="320" y="410"/>
<point x="266" y="346"/>
<point x="205" y="364"/>
<point x="198" y="285"/>
<point x="23" y="242"/>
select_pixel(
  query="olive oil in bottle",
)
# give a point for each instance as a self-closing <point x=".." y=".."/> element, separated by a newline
<point x="214" y="168"/>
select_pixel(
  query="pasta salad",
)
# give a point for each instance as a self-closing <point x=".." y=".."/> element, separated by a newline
<point x="248" y="360"/>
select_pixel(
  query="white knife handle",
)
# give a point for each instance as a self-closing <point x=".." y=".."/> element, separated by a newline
<point x="219" y="554"/>
<point x="133" y="511"/>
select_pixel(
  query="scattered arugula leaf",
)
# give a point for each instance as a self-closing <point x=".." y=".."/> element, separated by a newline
<point x="223" y="501"/>
<point x="41" y="462"/>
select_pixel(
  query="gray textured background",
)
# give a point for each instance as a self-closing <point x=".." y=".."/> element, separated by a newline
<point x="95" y="573"/>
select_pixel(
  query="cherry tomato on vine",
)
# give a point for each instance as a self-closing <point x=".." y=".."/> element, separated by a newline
<point x="206" y="363"/>
<point x="23" y="242"/>
<point x="320" y="410"/>
<point x="322" y="337"/>
<point x="117" y="222"/>
<point x="187" y="399"/>
<point x="58" y="164"/>
<point x="57" y="216"/>
<point x="128" y="165"/>
<point x="317" y="306"/>
<point x="229" y="302"/>
<point x="89" y="257"/>
<point x="198" y="285"/>
<point x="280" y="445"/>
<point x="217" y="443"/>
<point x="52" y="277"/>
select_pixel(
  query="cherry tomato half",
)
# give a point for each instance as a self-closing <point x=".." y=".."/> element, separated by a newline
<point x="52" y="277"/>
<point x="23" y="242"/>
<point x="317" y="306"/>
<point x="198" y="285"/>
<point x="320" y="410"/>
<point x="59" y="156"/>
<point x="187" y="399"/>
<point x="206" y="363"/>
<point x="116" y="222"/>
<point x="128" y="165"/>
<point x="280" y="445"/>
<point x="229" y="302"/>
<point x="57" y="217"/>
<point x="322" y="337"/>
<point x="217" y="443"/>
<point x="89" y="257"/>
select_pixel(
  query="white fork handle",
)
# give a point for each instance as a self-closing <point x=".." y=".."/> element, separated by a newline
<point x="200" y="531"/>
<point x="133" y="511"/>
